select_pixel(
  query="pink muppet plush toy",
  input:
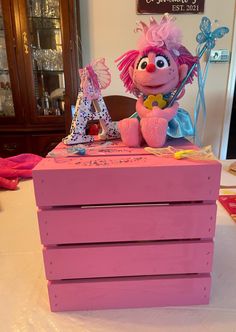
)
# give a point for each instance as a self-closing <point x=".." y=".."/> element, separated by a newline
<point x="153" y="73"/>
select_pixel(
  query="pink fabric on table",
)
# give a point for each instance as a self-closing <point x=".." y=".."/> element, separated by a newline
<point x="13" y="168"/>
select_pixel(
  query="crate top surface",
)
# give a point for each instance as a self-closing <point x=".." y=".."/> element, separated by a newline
<point x="114" y="154"/>
<point x="111" y="173"/>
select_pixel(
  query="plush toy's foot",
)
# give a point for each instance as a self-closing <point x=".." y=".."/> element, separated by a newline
<point x="130" y="132"/>
<point x="154" y="131"/>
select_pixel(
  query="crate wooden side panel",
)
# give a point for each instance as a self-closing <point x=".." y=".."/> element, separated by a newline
<point x="129" y="259"/>
<point x="91" y="294"/>
<point x="127" y="223"/>
<point x="130" y="179"/>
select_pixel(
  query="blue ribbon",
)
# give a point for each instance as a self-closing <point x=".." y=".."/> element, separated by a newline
<point x="207" y="37"/>
<point x="200" y="103"/>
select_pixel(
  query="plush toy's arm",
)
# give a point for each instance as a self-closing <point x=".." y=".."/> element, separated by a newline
<point x="141" y="109"/>
<point x="167" y="113"/>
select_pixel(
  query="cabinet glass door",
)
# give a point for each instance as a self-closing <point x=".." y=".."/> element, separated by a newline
<point x="46" y="52"/>
<point x="6" y="101"/>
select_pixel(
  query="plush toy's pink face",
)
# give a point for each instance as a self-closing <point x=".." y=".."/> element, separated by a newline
<point x="156" y="73"/>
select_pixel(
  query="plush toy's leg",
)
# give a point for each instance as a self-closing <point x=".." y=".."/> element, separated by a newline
<point x="154" y="131"/>
<point x="109" y="130"/>
<point x="78" y="126"/>
<point x="130" y="132"/>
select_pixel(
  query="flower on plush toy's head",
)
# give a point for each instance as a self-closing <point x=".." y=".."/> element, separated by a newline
<point x="156" y="100"/>
<point x="165" y="33"/>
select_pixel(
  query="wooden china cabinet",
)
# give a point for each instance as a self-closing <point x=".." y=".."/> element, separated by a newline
<point x="39" y="60"/>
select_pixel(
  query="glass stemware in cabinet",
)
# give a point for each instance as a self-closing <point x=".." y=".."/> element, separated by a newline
<point x="46" y="8"/>
<point x="6" y="101"/>
<point x="46" y="41"/>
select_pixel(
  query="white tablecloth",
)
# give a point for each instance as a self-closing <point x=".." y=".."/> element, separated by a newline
<point x="23" y="292"/>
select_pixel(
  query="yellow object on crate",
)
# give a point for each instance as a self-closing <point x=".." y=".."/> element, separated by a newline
<point x="204" y="153"/>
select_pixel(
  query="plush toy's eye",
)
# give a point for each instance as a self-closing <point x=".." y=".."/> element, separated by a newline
<point x="143" y="63"/>
<point x="161" y="62"/>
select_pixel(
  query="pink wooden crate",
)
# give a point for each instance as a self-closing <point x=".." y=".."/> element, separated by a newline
<point x="94" y="209"/>
<point x="130" y="292"/>
<point x="128" y="259"/>
<point x="127" y="223"/>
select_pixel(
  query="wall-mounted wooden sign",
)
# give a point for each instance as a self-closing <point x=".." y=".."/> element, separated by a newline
<point x="170" y="6"/>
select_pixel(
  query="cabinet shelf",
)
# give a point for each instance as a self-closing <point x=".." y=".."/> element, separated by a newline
<point x="48" y="29"/>
<point x="44" y="23"/>
<point x="44" y="18"/>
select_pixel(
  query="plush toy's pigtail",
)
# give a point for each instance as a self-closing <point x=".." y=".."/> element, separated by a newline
<point x="124" y="62"/>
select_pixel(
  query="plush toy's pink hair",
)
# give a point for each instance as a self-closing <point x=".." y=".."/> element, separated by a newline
<point x="125" y="61"/>
<point x="128" y="59"/>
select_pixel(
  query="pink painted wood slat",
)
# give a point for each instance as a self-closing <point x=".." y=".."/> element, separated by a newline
<point x="129" y="259"/>
<point x="130" y="179"/>
<point x="127" y="223"/>
<point x="137" y="292"/>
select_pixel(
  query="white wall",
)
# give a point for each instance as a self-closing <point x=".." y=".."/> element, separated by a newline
<point x="107" y="28"/>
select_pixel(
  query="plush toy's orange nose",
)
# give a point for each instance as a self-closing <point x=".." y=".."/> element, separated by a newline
<point x="151" y="67"/>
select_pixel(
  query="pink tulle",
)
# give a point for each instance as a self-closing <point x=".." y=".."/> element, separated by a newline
<point x="165" y="33"/>
<point x="93" y="78"/>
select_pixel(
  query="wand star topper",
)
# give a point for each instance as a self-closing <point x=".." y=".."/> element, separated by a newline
<point x="207" y="36"/>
